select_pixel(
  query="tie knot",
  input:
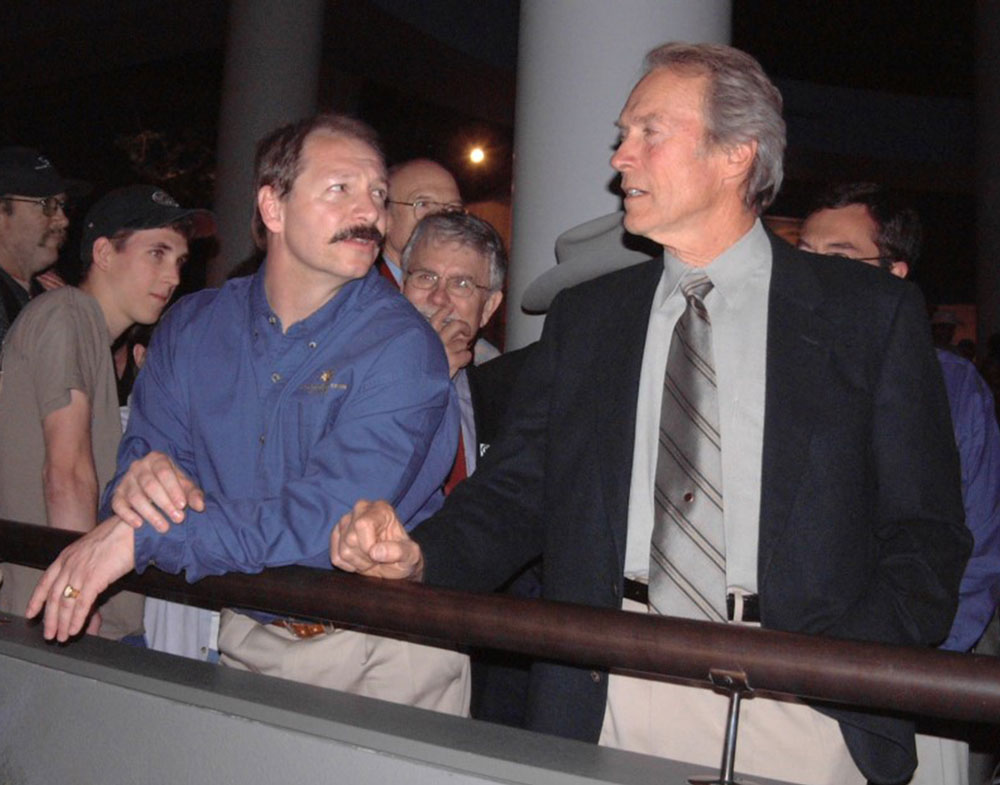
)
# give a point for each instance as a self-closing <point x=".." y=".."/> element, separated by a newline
<point x="696" y="285"/>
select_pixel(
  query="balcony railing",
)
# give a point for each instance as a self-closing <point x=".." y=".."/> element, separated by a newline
<point x="924" y="682"/>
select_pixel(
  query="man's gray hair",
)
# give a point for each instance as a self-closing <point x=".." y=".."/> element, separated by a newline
<point x="741" y="105"/>
<point x="467" y="230"/>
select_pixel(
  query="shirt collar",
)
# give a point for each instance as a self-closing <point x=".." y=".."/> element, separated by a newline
<point x="20" y="293"/>
<point x="730" y="270"/>
<point x="351" y="295"/>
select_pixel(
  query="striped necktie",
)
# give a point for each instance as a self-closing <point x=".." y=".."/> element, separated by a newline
<point x="687" y="565"/>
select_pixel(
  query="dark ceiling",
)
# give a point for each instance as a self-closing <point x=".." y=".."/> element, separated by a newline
<point x="119" y="90"/>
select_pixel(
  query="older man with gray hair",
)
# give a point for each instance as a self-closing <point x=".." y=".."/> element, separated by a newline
<point x="453" y="273"/>
<point x="726" y="434"/>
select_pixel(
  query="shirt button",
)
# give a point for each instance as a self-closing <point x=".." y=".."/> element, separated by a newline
<point x="275" y="377"/>
<point x="262" y="438"/>
<point x="595" y="677"/>
<point x="312" y="344"/>
<point x="272" y="319"/>
<point x="689" y="497"/>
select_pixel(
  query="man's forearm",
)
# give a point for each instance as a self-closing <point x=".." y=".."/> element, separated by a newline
<point x="70" y="499"/>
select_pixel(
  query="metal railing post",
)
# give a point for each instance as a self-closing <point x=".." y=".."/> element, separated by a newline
<point x="734" y="683"/>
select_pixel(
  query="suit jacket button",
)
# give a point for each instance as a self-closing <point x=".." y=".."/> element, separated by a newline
<point x="595" y="677"/>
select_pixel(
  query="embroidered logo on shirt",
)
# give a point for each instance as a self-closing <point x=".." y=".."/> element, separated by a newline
<point x="324" y="384"/>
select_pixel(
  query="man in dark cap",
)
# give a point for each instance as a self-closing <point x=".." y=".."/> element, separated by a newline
<point x="33" y="224"/>
<point x="59" y="416"/>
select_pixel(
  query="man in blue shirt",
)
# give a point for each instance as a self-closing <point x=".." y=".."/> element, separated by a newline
<point x="268" y="407"/>
<point x="862" y="222"/>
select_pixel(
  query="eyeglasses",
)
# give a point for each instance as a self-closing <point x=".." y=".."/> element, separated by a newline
<point x="423" y="207"/>
<point x="49" y="204"/>
<point x="458" y="286"/>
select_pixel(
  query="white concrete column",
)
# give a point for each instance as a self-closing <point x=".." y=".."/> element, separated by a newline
<point x="273" y="54"/>
<point x="577" y="61"/>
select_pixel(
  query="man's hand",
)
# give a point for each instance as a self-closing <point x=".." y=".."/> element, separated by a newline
<point x="371" y="540"/>
<point x="88" y="567"/>
<point x="151" y="484"/>
<point x="50" y="280"/>
<point x="456" y="335"/>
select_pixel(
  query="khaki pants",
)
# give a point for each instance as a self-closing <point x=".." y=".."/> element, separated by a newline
<point x="779" y="739"/>
<point x="941" y="761"/>
<point x="350" y="661"/>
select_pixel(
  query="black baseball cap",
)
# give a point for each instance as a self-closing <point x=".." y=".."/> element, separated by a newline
<point x="139" y="207"/>
<point x="26" y="172"/>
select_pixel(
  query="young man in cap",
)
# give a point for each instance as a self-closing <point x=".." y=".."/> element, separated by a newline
<point x="33" y="224"/>
<point x="59" y="416"/>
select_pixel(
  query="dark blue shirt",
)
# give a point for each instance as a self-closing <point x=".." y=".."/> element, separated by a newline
<point x="286" y="431"/>
<point x="978" y="439"/>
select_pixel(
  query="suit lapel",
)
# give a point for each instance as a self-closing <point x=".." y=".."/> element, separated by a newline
<point x="799" y="342"/>
<point x="618" y="370"/>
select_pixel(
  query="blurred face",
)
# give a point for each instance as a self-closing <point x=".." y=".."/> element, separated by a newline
<point x="142" y="275"/>
<point x="451" y="261"/>
<point x="329" y="226"/>
<point x="29" y="239"/>
<point x="675" y="184"/>
<point x="845" y="231"/>
<point x="419" y="181"/>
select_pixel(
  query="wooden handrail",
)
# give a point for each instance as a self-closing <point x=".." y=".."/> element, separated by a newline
<point x="901" y="678"/>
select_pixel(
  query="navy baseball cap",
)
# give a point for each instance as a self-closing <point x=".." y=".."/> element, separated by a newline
<point x="26" y="172"/>
<point x="139" y="207"/>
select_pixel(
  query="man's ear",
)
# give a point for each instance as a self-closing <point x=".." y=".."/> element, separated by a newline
<point x="899" y="269"/>
<point x="490" y="307"/>
<point x="271" y="208"/>
<point x="740" y="157"/>
<point x="102" y="253"/>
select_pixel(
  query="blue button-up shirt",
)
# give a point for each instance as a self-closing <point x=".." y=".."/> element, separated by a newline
<point x="285" y="431"/>
<point x="978" y="440"/>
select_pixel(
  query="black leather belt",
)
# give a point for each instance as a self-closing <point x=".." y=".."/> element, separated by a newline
<point x="636" y="591"/>
<point x="639" y="592"/>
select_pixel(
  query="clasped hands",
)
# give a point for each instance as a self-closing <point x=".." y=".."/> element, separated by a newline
<point x="370" y="540"/>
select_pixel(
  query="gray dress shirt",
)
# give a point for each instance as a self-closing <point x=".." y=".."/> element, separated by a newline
<point x="737" y="306"/>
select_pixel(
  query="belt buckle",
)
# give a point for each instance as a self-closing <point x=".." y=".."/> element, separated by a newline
<point x="743" y="608"/>
<point x="302" y="629"/>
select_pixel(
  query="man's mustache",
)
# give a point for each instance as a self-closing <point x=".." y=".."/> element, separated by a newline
<point x="362" y="232"/>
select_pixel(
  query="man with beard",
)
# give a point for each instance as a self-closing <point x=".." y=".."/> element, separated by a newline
<point x="268" y="407"/>
<point x="33" y="225"/>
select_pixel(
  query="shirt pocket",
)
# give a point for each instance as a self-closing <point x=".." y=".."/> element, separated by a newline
<point x="308" y="416"/>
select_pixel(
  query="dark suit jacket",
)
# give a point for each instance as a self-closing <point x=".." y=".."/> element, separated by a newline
<point x="491" y="385"/>
<point x="861" y="522"/>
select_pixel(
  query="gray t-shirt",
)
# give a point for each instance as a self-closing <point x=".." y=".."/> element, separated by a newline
<point x="58" y="343"/>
